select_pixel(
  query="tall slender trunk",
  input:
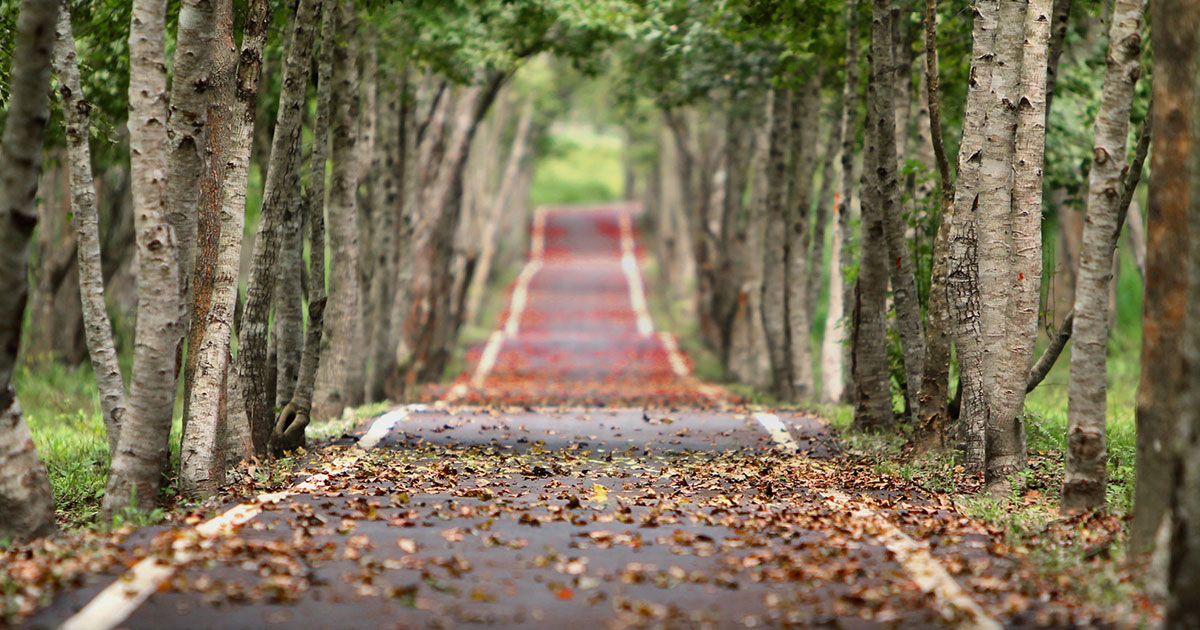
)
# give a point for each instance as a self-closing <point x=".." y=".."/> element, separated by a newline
<point x="253" y="370"/>
<point x="1176" y="30"/>
<point x="334" y="390"/>
<point x="288" y="433"/>
<point x="816" y="254"/>
<point x="288" y="319"/>
<point x="747" y="356"/>
<point x="835" y="378"/>
<point x="774" y="286"/>
<point x="214" y="278"/>
<point x="933" y="417"/>
<point x="803" y="138"/>
<point x="1084" y="484"/>
<point x="501" y="202"/>
<point x="900" y="264"/>
<point x="1006" y="453"/>
<point x="24" y="485"/>
<point x="136" y="473"/>
<point x="962" y="274"/>
<point x="873" y="396"/>
<point x="387" y="202"/>
<point x="97" y="326"/>
<point x="187" y="133"/>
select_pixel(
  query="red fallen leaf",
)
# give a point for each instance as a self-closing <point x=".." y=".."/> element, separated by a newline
<point x="564" y="593"/>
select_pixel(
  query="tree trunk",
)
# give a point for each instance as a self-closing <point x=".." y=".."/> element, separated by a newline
<point x="388" y="206"/>
<point x="501" y="202"/>
<point x="334" y="380"/>
<point x="288" y="326"/>
<point x="285" y="148"/>
<point x="816" y="255"/>
<point x="873" y="397"/>
<point x="28" y="506"/>
<point x="136" y="473"/>
<point x="1085" y="480"/>
<point x="1006" y="432"/>
<point x="187" y="133"/>
<point x="835" y="378"/>
<point x="933" y="416"/>
<point x="994" y="216"/>
<point x="774" y="284"/>
<point x="962" y="274"/>
<point x="747" y="355"/>
<point x="288" y="433"/>
<point x="87" y="234"/>
<point x="803" y="138"/>
<point x="1175" y="203"/>
<point x="900" y="264"/>
<point x="216" y="427"/>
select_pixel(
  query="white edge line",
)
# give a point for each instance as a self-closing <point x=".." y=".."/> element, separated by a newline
<point x="633" y="277"/>
<point x="117" y="601"/>
<point x="929" y="574"/>
<point x="380" y="428"/>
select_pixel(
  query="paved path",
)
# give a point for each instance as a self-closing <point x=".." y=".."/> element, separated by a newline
<point x="540" y="511"/>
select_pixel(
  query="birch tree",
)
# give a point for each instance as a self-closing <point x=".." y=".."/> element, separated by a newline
<point x="1086" y="460"/>
<point x="774" y="286"/>
<point x="962" y="276"/>
<point x="212" y="409"/>
<point x="833" y="348"/>
<point x="136" y="473"/>
<point x="888" y="142"/>
<point x="97" y="327"/>
<point x="28" y="508"/>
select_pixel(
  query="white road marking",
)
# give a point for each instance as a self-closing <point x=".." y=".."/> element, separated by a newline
<point x="113" y="605"/>
<point x="953" y="603"/>
<point x="380" y="428"/>
<point x="633" y="277"/>
<point x="777" y="430"/>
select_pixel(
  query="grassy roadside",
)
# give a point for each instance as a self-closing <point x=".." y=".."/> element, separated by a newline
<point x="1085" y="553"/>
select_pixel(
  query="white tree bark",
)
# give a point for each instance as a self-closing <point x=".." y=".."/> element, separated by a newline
<point x="962" y="278"/>
<point x="1085" y="481"/>
<point x="136" y="472"/>
<point x="187" y="134"/>
<point x="97" y="327"/>
<point x="215" y="395"/>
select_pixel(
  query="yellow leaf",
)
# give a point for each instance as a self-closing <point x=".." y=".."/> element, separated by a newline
<point x="599" y="493"/>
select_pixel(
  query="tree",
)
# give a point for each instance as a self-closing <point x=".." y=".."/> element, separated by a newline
<point x="285" y="149"/>
<point x="97" y="326"/>
<point x="1175" y="204"/>
<point x="211" y="433"/>
<point x="26" y="506"/>
<point x="289" y="428"/>
<point x="1171" y="197"/>
<point x="962" y="275"/>
<point x="873" y="397"/>
<point x="335" y="391"/>
<point x="1086" y="461"/>
<point x="136" y="473"/>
